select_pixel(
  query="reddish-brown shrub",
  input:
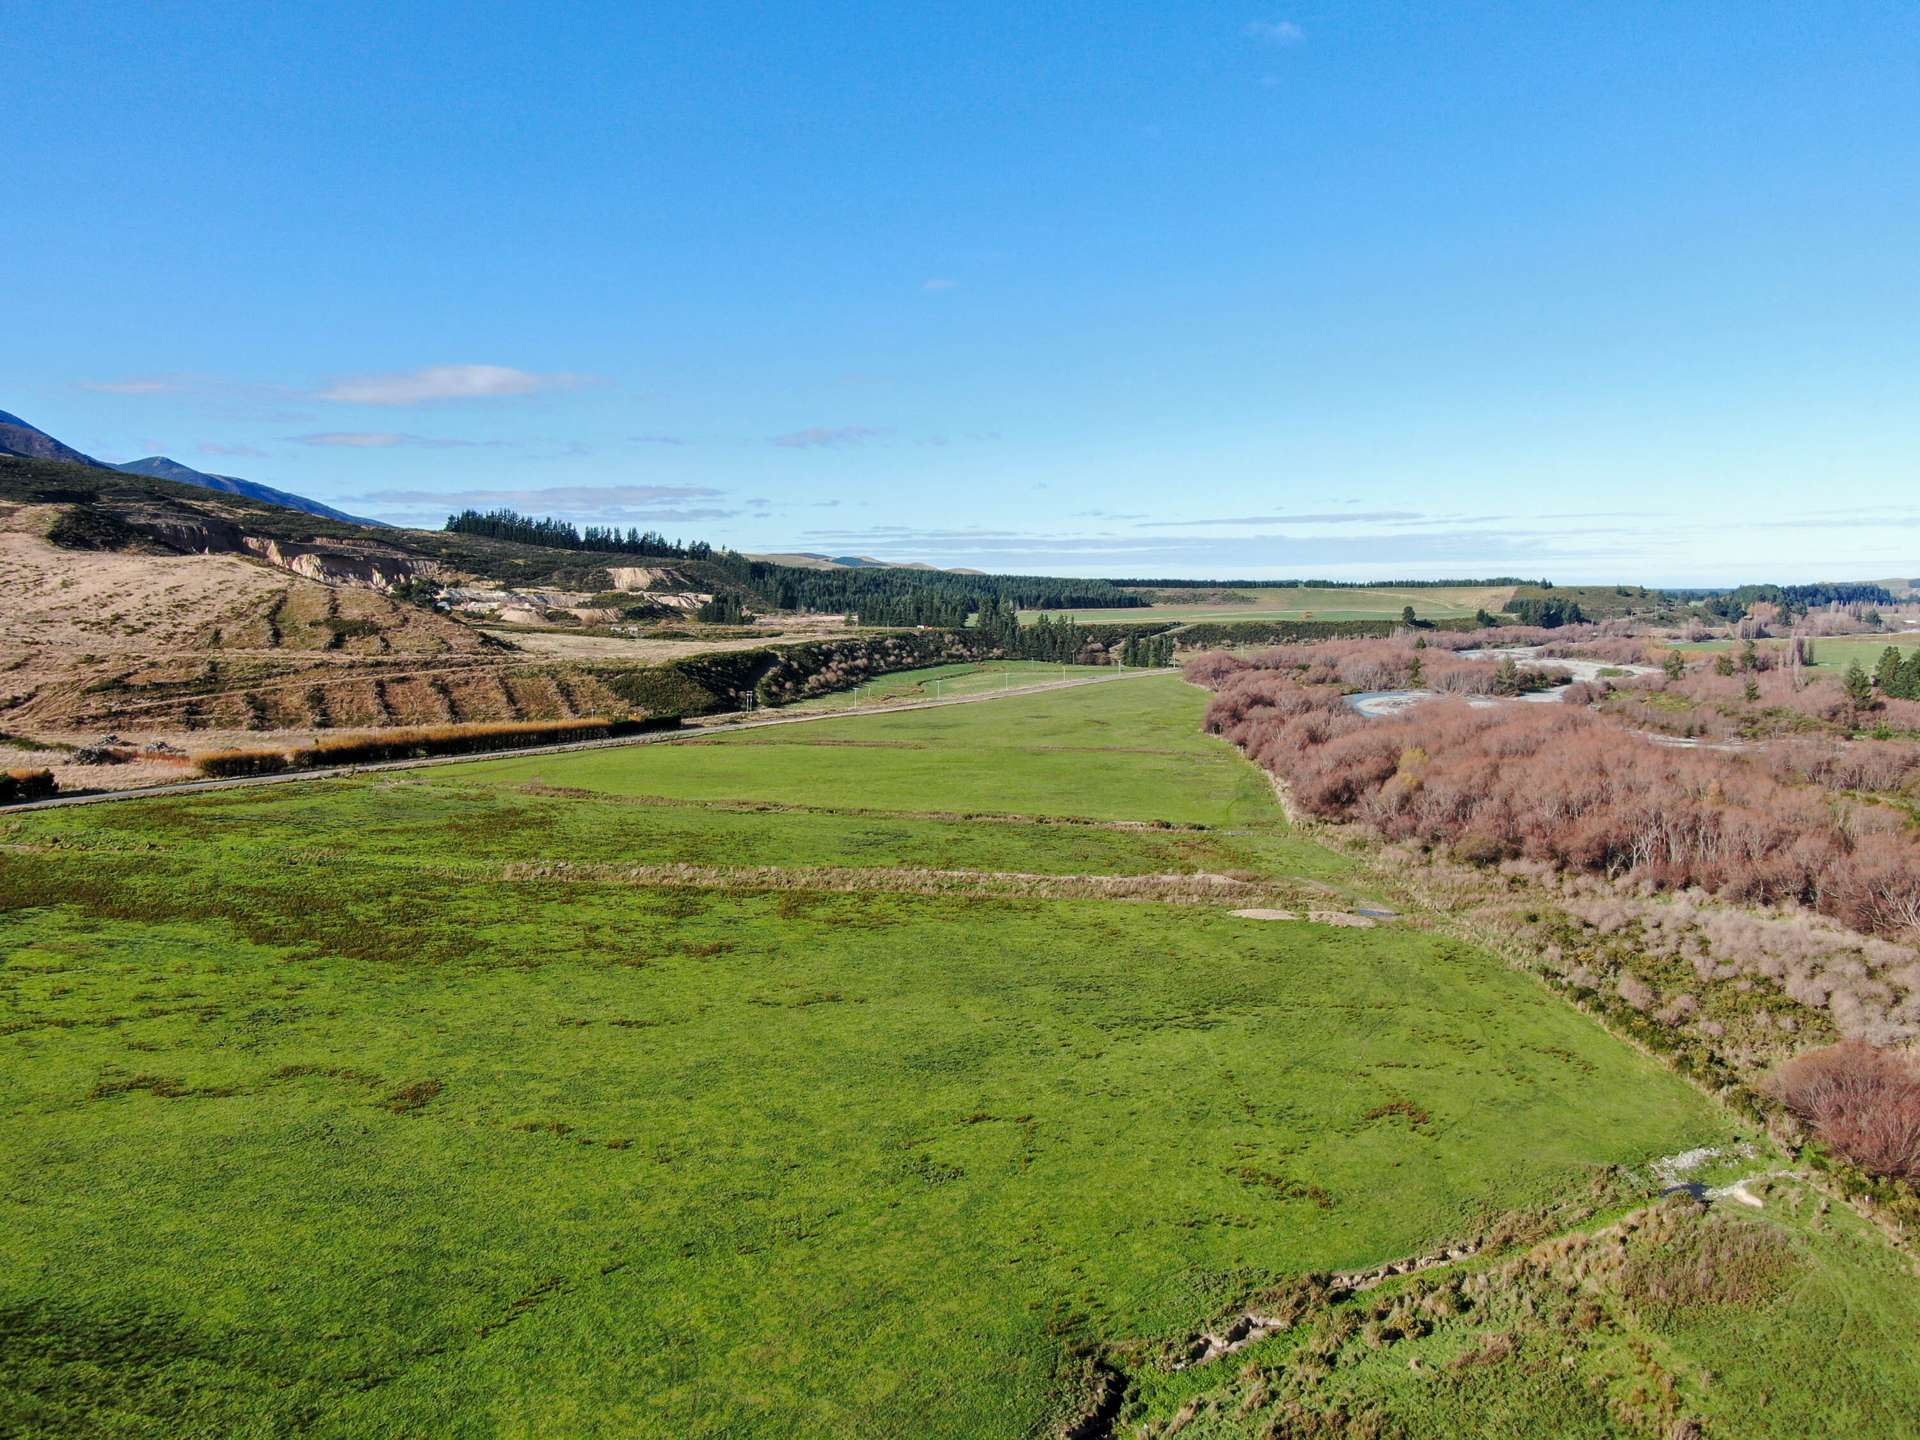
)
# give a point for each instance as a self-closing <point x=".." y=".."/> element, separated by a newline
<point x="1862" y="1101"/>
<point x="1702" y="702"/>
<point x="1611" y="650"/>
<point x="1878" y="766"/>
<point x="1563" y="786"/>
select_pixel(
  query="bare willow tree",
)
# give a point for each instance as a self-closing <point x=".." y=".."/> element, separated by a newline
<point x="1861" y="1100"/>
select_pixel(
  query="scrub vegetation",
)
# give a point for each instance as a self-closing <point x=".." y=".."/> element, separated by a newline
<point x="1675" y="1321"/>
<point x="1562" y="786"/>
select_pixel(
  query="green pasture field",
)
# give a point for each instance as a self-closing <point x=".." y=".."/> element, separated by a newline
<point x="1279" y="602"/>
<point x="335" y="1108"/>
<point x="943" y="682"/>
<point x="1832" y="653"/>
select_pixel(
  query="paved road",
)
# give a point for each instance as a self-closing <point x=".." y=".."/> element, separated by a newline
<point x="652" y="737"/>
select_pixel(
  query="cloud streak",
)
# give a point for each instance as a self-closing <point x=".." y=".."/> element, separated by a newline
<point x="572" y="497"/>
<point x="435" y="383"/>
<point x="1373" y="517"/>
<point x="383" y="440"/>
<point x="819" y="436"/>
<point x="1275" y="32"/>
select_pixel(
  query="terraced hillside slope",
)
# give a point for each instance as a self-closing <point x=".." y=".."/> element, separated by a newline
<point x="178" y="615"/>
<point x="931" y="1074"/>
<point x="201" y="620"/>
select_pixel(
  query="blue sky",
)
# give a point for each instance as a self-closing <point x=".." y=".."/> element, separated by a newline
<point x="1600" y="292"/>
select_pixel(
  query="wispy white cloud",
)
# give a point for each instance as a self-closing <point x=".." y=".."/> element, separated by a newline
<point x="446" y="382"/>
<point x="558" y="450"/>
<point x="380" y="440"/>
<point x="583" y="504"/>
<point x="939" y="283"/>
<point x="1369" y="517"/>
<point x="216" y="447"/>
<point x="571" y="497"/>
<point x="1845" y="520"/>
<point x="656" y="440"/>
<point x="1275" y="32"/>
<point x="818" y="435"/>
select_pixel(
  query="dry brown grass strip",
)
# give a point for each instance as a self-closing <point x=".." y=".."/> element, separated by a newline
<point x="857" y="812"/>
<point x="1199" y="889"/>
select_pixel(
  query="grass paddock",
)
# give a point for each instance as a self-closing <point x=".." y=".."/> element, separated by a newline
<point x="329" y="1108"/>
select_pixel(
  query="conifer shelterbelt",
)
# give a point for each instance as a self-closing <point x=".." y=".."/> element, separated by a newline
<point x="724" y="610"/>
<point x="1548" y="614"/>
<point x="1790" y="599"/>
<point x="1897" y="673"/>
<point x="562" y="535"/>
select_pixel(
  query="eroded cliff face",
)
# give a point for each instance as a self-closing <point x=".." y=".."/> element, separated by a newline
<point x="639" y="577"/>
<point x="340" y="567"/>
<point x="331" y="565"/>
<point x="660" y="582"/>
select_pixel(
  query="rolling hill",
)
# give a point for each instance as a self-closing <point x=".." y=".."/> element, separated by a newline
<point x="814" y="560"/>
<point x="18" y="437"/>
<point x="159" y="467"/>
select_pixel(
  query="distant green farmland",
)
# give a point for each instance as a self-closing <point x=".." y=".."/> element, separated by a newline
<point x="941" y="682"/>
<point x="440" y="1102"/>
<point x="1835" y="653"/>
<point x="1279" y="602"/>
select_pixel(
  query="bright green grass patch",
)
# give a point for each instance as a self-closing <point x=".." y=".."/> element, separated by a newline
<point x="945" y="682"/>
<point x="312" y="1121"/>
<point x="1124" y="750"/>
<point x="438" y="819"/>
<point x="1833" y="653"/>
<point x="680" y="1164"/>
